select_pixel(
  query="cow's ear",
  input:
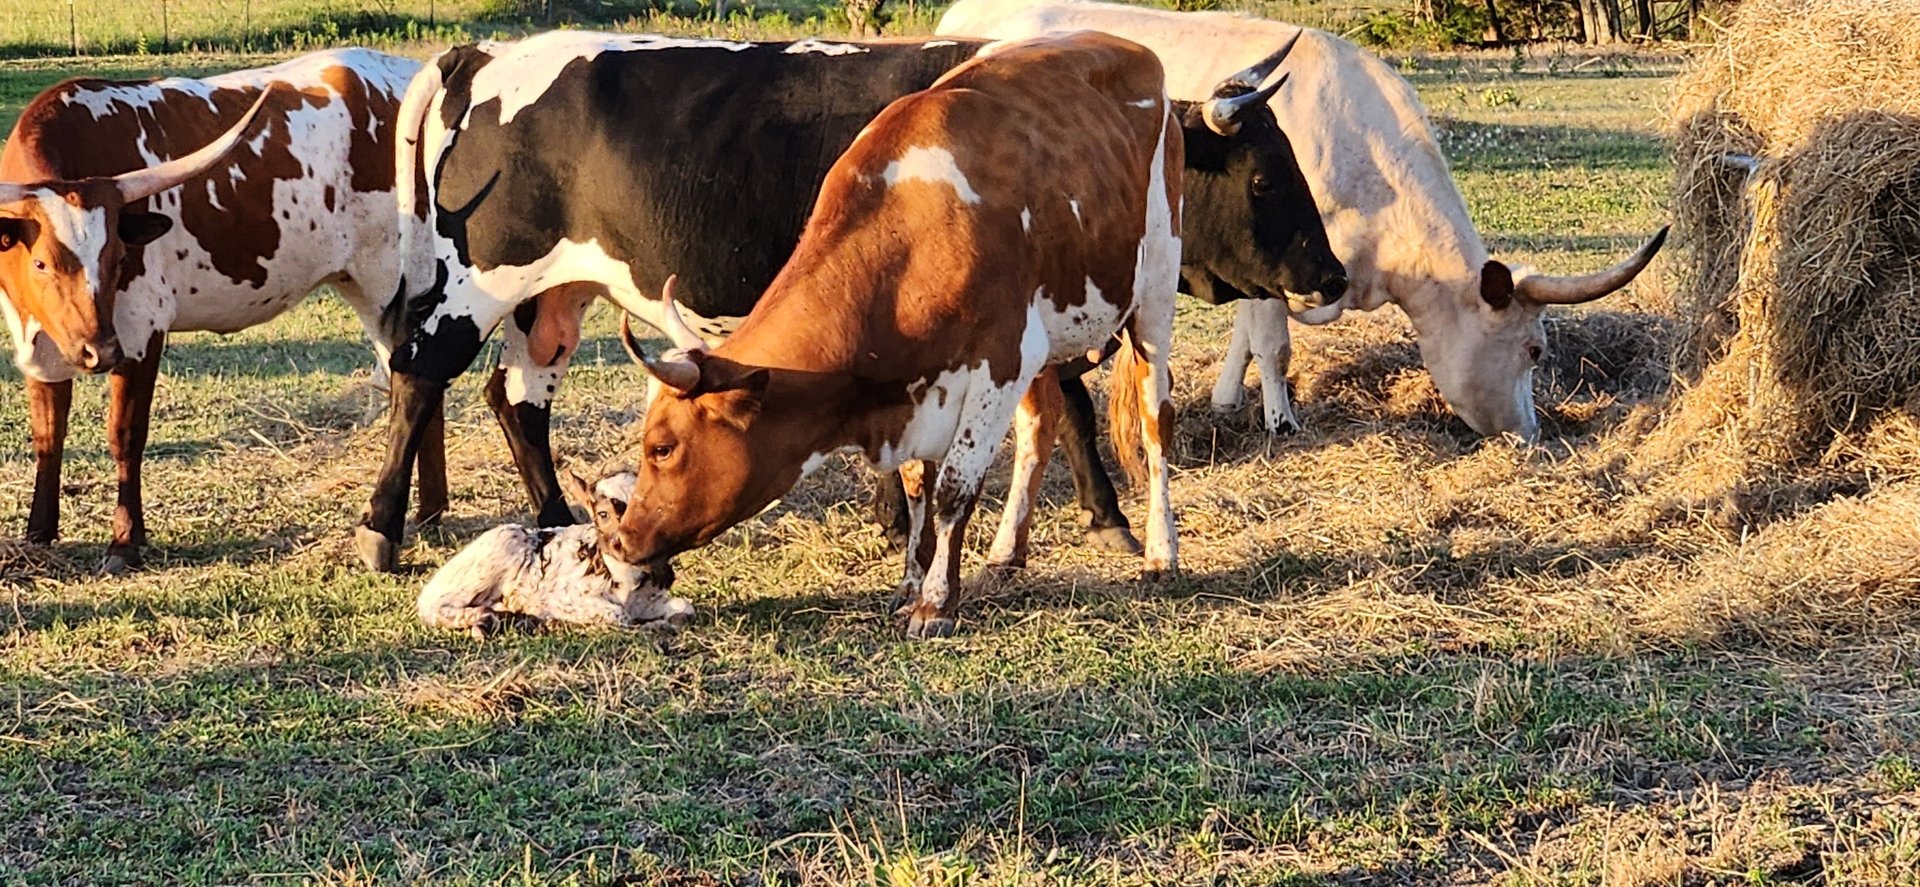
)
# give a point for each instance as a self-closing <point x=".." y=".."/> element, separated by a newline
<point x="1496" y="285"/>
<point x="140" y="229"/>
<point x="736" y="399"/>
<point x="17" y="232"/>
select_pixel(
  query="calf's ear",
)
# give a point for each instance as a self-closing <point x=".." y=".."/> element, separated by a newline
<point x="577" y="491"/>
<point x="736" y="399"/>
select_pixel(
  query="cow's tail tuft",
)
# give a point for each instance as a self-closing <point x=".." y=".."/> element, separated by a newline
<point x="411" y="193"/>
<point x="1125" y="409"/>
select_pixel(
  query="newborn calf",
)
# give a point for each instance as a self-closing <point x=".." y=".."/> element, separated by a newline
<point x="558" y="574"/>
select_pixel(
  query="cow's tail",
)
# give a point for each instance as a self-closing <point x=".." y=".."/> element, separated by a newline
<point x="1126" y="390"/>
<point x="411" y="192"/>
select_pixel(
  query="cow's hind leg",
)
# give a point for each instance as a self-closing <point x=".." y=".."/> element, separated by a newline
<point x="1107" y="525"/>
<point x="48" y="404"/>
<point x="541" y="338"/>
<point x="1034" y="432"/>
<point x="1151" y="337"/>
<point x="129" y="410"/>
<point x="985" y="417"/>
<point x="422" y="369"/>
<point x="917" y="547"/>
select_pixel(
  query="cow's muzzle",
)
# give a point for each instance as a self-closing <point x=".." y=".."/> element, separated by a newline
<point x="99" y="357"/>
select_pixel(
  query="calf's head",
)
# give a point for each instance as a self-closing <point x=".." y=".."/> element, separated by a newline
<point x="705" y="463"/>
<point x="1250" y="224"/>
<point x="605" y="501"/>
<point x="62" y="242"/>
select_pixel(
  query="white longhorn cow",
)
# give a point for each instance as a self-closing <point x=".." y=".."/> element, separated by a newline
<point x="1392" y="211"/>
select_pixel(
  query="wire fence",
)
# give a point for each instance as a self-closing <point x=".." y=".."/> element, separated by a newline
<point x="39" y="28"/>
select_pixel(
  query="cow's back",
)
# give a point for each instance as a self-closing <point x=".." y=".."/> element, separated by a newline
<point x="1028" y="170"/>
<point x="1392" y="212"/>
<point x="306" y="198"/>
<point x="691" y="157"/>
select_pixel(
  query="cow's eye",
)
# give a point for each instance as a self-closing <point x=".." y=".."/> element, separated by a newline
<point x="1261" y="184"/>
<point x="40" y="266"/>
<point x="658" y="452"/>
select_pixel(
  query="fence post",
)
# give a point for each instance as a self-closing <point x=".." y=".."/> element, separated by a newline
<point x="166" y="32"/>
<point x="73" y="31"/>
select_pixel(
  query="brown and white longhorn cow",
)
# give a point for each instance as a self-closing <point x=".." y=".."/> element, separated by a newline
<point x="130" y="209"/>
<point x="1019" y="213"/>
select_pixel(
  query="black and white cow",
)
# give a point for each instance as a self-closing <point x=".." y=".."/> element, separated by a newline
<point x="574" y="165"/>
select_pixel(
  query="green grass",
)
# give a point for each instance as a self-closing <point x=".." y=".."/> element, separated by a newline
<point x="1367" y="676"/>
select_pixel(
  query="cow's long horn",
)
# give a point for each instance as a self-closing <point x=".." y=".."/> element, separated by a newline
<point x="1223" y="114"/>
<point x="1257" y="73"/>
<point x="677" y="330"/>
<point x="10" y="193"/>
<point x="1573" y="290"/>
<point x="155" y="179"/>
<point x="680" y="375"/>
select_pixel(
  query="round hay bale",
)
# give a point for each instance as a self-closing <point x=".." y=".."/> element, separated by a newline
<point x="1803" y="266"/>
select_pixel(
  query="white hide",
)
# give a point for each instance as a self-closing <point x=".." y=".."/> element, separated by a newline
<point x="936" y="166"/>
<point x="1392" y="212"/>
<point x="548" y="575"/>
<point x="352" y="246"/>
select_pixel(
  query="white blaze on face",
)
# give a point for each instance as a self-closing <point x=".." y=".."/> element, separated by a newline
<point x="84" y="231"/>
<point x="1026" y="219"/>
<point x="935" y="165"/>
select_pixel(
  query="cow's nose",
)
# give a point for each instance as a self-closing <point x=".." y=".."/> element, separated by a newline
<point x="99" y="357"/>
<point x="1333" y="288"/>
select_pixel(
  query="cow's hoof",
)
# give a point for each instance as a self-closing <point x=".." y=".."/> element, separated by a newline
<point x="1118" y="539"/>
<point x="929" y="627"/>
<point x="1286" y="427"/>
<point x="376" y="551"/>
<point x="1158" y="575"/>
<point x="118" y="563"/>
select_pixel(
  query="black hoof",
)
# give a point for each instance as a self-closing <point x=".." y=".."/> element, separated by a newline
<point x="1118" y="539"/>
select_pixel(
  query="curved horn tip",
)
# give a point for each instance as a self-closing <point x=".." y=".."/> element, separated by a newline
<point x="1574" y="290"/>
<point x="677" y="330"/>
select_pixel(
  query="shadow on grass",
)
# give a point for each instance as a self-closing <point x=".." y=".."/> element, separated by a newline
<point x="706" y="753"/>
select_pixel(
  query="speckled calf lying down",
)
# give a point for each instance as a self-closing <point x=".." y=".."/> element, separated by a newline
<point x="553" y="575"/>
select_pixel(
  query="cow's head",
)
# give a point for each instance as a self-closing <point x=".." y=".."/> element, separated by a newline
<point x="1482" y="355"/>
<point x="701" y="462"/>
<point x="1250" y="225"/>
<point x="62" y="242"/>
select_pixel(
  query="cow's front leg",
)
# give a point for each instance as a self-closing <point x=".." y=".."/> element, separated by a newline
<point x="432" y="465"/>
<point x="48" y="404"/>
<point x="1229" y="390"/>
<point x="1034" y="431"/>
<point x="1272" y="348"/>
<point x="541" y="338"/>
<point x="984" y="420"/>
<point x="129" y="411"/>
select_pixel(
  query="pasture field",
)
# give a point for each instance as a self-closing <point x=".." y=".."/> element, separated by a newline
<point x="1396" y="655"/>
